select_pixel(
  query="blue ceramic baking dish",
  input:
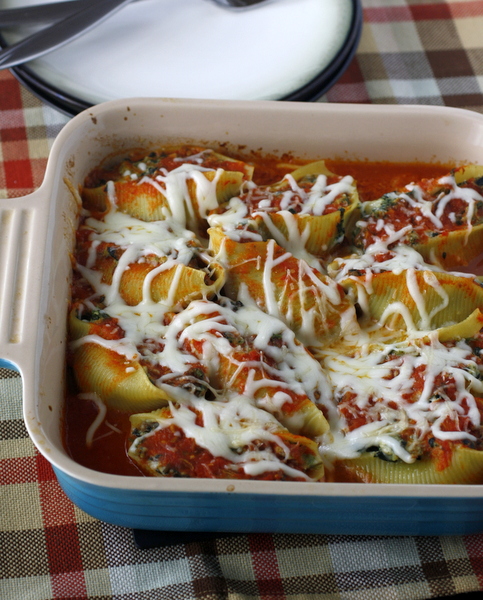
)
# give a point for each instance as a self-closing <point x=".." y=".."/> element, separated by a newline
<point x="37" y="235"/>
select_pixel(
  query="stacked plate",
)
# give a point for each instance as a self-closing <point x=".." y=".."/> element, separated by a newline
<point x="281" y="50"/>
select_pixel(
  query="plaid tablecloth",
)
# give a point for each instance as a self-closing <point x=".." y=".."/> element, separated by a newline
<point x="411" y="51"/>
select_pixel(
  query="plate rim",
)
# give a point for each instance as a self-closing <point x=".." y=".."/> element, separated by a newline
<point x="71" y="104"/>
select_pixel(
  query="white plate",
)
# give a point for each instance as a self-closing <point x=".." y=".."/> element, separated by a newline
<point x="196" y="49"/>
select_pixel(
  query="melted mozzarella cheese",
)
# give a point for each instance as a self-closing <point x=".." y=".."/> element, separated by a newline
<point x="468" y="195"/>
<point x="322" y="195"/>
<point x="229" y="429"/>
<point x="381" y="376"/>
<point x="207" y="322"/>
<point x="324" y="290"/>
<point x="240" y="224"/>
<point x="101" y="415"/>
<point x="124" y="346"/>
<point x="433" y="208"/>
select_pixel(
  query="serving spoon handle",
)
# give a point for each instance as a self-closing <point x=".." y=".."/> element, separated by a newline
<point x="61" y="32"/>
<point x="41" y="14"/>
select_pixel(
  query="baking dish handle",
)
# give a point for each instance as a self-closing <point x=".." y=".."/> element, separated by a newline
<point x="23" y="223"/>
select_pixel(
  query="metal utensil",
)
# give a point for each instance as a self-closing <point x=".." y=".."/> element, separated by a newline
<point x="40" y="14"/>
<point x="240" y="3"/>
<point x="71" y="19"/>
<point x="61" y="32"/>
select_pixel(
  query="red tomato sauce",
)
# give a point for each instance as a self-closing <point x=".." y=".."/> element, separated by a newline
<point x="180" y="456"/>
<point x="374" y="179"/>
<point x="108" y="452"/>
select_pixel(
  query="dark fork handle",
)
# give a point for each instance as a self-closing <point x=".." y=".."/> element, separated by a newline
<point x="41" y="13"/>
<point x="59" y="33"/>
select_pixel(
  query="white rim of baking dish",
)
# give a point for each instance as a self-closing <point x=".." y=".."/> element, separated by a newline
<point x="25" y="226"/>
